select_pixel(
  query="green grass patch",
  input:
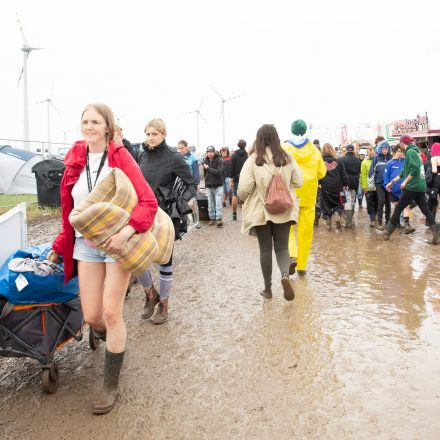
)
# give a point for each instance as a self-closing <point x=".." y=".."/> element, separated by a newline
<point x="33" y="211"/>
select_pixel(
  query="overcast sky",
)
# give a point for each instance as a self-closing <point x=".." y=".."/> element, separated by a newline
<point x="325" y="62"/>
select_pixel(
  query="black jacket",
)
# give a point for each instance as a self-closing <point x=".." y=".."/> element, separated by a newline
<point x="161" y="166"/>
<point x="432" y="180"/>
<point x="336" y="177"/>
<point x="128" y="147"/>
<point x="352" y="165"/>
<point x="237" y="161"/>
<point x="213" y="174"/>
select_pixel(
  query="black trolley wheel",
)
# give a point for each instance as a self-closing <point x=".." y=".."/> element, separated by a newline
<point x="49" y="378"/>
<point x="93" y="340"/>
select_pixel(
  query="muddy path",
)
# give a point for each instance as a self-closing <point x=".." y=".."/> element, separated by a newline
<point x="354" y="356"/>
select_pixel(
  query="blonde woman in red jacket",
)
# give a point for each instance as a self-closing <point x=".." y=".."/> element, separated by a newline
<point x="102" y="281"/>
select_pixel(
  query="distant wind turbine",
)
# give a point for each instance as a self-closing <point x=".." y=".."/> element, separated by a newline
<point x="223" y="100"/>
<point x="26" y="49"/>
<point x="198" y="115"/>
<point x="49" y="104"/>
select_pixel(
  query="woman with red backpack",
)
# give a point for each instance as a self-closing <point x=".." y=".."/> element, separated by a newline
<point x="266" y="163"/>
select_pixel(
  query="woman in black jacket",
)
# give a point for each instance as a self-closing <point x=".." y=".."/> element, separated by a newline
<point x="332" y="185"/>
<point x="161" y="166"/>
<point x="213" y="166"/>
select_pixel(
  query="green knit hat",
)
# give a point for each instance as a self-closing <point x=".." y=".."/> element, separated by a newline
<point x="298" y="127"/>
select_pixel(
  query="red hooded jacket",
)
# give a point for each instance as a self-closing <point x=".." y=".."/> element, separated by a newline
<point x="141" y="218"/>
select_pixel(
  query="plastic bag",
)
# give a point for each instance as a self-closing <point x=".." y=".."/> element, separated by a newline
<point x="35" y="289"/>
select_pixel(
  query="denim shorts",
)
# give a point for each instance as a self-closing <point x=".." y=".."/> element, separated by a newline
<point x="84" y="250"/>
<point x="226" y="186"/>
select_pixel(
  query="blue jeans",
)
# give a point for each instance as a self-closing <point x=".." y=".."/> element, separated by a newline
<point x="215" y="206"/>
<point x="360" y="194"/>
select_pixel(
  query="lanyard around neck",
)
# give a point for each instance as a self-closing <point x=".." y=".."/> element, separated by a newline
<point x="101" y="164"/>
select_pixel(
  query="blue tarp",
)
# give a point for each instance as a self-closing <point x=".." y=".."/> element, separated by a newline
<point x="41" y="289"/>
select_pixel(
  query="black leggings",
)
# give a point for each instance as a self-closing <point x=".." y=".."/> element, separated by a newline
<point x="383" y="198"/>
<point x="279" y="235"/>
<point x="432" y="205"/>
<point x="405" y="199"/>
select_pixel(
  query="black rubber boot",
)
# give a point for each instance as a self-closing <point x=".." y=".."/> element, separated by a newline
<point x="435" y="233"/>
<point x="105" y="400"/>
<point x="266" y="293"/>
<point x="434" y="211"/>
<point x="102" y="336"/>
<point x="349" y="219"/>
<point x="388" y="230"/>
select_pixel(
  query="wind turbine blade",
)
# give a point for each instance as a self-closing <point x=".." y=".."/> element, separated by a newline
<point x="51" y="92"/>
<point x="201" y="102"/>
<point x="234" y="97"/>
<point x="30" y="49"/>
<point x="41" y="102"/>
<point x="21" y="74"/>
<point x="53" y="105"/>
<point x="22" y="32"/>
<point x="194" y="111"/>
<point x="220" y="96"/>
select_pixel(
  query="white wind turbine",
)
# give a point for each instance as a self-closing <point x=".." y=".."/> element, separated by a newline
<point x="26" y="49"/>
<point x="49" y="103"/>
<point x="198" y="115"/>
<point x="223" y="100"/>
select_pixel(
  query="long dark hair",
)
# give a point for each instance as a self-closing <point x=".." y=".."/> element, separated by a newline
<point x="267" y="136"/>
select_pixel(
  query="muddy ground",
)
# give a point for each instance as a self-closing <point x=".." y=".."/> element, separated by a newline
<point x="354" y="356"/>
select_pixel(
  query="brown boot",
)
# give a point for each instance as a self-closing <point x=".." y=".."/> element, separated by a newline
<point x="161" y="314"/>
<point x="151" y="299"/>
<point x="292" y="265"/>
<point x="105" y="400"/>
<point x="289" y="293"/>
<point x="211" y="222"/>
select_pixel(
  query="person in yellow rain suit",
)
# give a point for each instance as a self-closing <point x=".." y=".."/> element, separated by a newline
<point x="313" y="169"/>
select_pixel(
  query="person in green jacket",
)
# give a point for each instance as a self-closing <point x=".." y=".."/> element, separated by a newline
<point x="413" y="188"/>
<point x="370" y="193"/>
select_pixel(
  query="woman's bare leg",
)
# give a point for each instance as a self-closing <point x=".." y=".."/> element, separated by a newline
<point x="116" y="283"/>
<point x="91" y="278"/>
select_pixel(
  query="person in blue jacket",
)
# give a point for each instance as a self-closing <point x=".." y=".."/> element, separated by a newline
<point x="383" y="156"/>
<point x="193" y="164"/>
<point x="190" y="159"/>
<point x="391" y="170"/>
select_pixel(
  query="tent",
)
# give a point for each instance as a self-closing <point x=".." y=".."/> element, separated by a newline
<point x="16" y="176"/>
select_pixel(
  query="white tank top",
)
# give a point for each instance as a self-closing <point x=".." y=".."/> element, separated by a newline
<point x="80" y="190"/>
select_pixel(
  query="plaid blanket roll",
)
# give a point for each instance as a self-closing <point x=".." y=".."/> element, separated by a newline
<point x="107" y="210"/>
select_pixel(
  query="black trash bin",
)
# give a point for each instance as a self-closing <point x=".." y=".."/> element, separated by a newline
<point x="48" y="174"/>
<point x="202" y="203"/>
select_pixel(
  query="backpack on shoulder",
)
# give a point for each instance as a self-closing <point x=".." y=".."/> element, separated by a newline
<point x="278" y="198"/>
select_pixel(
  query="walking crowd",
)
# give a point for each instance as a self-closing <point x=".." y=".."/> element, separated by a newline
<point x="283" y="189"/>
